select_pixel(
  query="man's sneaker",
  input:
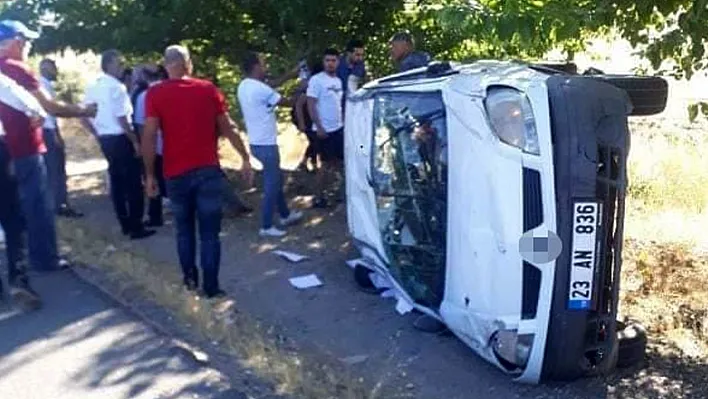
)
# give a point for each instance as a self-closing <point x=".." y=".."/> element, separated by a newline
<point x="272" y="232"/>
<point x="25" y="295"/>
<point x="294" y="217"/>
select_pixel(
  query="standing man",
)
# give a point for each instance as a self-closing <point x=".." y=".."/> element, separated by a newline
<point x="119" y="144"/>
<point x="403" y="52"/>
<point x="258" y="103"/>
<point x="55" y="157"/>
<point x="351" y="69"/>
<point x="26" y="145"/>
<point x="324" y="100"/>
<point x="11" y="94"/>
<point x="192" y="115"/>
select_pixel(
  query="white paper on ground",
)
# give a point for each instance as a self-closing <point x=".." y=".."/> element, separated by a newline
<point x="304" y="282"/>
<point x="355" y="262"/>
<point x="290" y="256"/>
<point x="403" y="306"/>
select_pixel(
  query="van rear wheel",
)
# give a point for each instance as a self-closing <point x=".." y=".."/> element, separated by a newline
<point x="632" y="339"/>
<point x="649" y="94"/>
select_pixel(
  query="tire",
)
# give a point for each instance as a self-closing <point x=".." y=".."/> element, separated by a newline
<point x="648" y="94"/>
<point x="363" y="280"/>
<point x="632" y="339"/>
<point x="567" y="68"/>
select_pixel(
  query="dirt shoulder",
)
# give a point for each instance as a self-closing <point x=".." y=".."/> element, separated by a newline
<point x="363" y="344"/>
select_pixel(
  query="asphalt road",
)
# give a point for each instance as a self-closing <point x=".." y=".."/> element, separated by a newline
<point x="82" y="345"/>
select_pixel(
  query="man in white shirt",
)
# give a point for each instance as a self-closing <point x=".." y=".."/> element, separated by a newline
<point x="258" y="102"/>
<point x="120" y="145"/>
<point x="55" y="157"/>
<point x="324" y="100"/>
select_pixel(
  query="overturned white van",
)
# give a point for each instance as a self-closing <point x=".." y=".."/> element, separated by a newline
<point x="491" y="197"/>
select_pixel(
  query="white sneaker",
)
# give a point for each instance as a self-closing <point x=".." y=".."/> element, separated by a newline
<point x="272" y="232"/>
<point x="294" y="217"/>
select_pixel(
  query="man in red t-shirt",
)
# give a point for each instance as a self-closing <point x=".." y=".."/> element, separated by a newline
<point x="192" y="115"/>
<point x="26" y="146"/>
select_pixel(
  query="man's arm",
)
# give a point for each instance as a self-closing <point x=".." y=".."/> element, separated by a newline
<point x="300" y="112"/>
<point x="17" y="97"/>
<point x="226" y="129"/>
<point x="149" y="143"/>
<point x="277" y="82"/>
<point x="62" y="109"/>
<point x="315" y="116"/>
<point x="128" y="130"/>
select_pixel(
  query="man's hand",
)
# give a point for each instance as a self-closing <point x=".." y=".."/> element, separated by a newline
<point x="136" y="147"/>
<point x="36" y="121"/>
<point x="90" y="110"/>
<point x="247" y="173"/>
<point x="321" y="133"/>
<point x="151" y="188"/>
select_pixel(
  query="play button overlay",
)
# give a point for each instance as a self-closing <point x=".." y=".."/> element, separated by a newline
<point x="540" y="248"/>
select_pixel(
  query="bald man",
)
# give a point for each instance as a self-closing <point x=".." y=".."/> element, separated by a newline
<point x="192" y="115"/>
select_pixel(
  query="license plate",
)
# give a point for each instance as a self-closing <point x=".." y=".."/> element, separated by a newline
<point x="583" y="257"/>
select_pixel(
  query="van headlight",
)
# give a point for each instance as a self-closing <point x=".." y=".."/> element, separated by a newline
<point x="510" y="114"/>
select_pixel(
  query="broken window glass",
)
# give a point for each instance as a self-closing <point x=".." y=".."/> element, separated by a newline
<point x="410" y="180"/>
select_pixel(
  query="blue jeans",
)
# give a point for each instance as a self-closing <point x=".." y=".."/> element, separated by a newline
<point x="55" y="159"/>
<point x="197" y="196"/>
<point x="11" y="220"/>
<point x="37" y="206"/>
<point x="273" y="195"/>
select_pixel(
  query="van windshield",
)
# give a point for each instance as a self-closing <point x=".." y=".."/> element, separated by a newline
<point x="409" y="175"/>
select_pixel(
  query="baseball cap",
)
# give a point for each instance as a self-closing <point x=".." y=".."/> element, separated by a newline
<point x="10" y="29"/>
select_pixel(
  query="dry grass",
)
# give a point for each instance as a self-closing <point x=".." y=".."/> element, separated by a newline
<point x="665" y="270"/>
<point x="259" y="346"/>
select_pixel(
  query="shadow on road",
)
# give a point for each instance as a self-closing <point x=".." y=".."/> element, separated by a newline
<point x="79" y="345"/>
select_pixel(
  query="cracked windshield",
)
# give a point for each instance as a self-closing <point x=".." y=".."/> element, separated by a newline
<point x="410" y="179"/>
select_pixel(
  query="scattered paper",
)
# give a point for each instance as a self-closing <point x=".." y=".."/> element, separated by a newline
<point x="305" y="282"/>
<point x="355" y="262"/>
<point x="403" y="306"/>
<point x="352" y="360"/>
<point x="290" y="256"/>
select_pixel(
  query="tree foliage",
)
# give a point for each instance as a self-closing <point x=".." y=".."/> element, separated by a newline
<point x="219" y="31"/>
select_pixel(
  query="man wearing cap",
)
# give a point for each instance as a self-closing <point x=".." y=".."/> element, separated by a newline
<point x="26" y="145"/>
<point x="403" y="52"/>
<point x="55" y="157"/>
<point x="12" y="95"/>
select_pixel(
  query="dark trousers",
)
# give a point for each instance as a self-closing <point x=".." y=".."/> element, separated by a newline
<point x="37" y="207"/>
<point x="196" y="197"/>
<point x="55" y="159"/>
<point x="12" y="221"/>
<point x="155" y="204"/>
<point x="125" y="171"/>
